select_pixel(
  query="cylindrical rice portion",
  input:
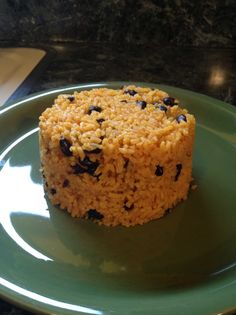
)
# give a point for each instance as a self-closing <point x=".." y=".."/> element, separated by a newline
<point x="117" y="156"/>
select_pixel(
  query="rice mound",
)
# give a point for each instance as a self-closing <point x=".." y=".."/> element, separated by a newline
<point x="116" y="156"/>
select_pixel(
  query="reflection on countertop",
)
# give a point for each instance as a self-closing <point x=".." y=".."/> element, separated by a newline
<point x="208" y="71"/>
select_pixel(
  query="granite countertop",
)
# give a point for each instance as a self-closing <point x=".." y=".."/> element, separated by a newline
<point x="209" y="71"/>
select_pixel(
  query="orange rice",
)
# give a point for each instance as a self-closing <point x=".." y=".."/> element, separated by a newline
<point x="117" y="156"/>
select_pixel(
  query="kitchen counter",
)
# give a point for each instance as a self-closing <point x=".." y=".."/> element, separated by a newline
<point x="208" y="71"/>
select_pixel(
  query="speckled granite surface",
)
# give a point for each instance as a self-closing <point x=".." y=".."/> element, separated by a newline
<point x="211" y="71"/>
<point x="208" y="71"/>
<point x="177" y="22"/>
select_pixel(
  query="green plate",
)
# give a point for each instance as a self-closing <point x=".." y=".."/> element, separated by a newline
<point x="182" y="264"/>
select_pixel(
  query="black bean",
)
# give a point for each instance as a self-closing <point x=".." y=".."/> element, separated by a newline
<point x="170" y="101"/>
<point x="93" y="214"/>
<point x="65" y="146"/>
<point x="124" y="101"/>
<point x="180" y="118"/>
<point x="178" y="171"/>
<point x="92" y="169"/>
<point x="142" y="104"/>
<point x="53" y="191"/>
<point x="130" y="92"/>
<point x="159" y="170"/>
<point x="163" y="108"/>
<point x="94" y="108"/>
<point x="89" y="166"/>
<point x="86" y="162"/>
<point x="71" y="98"/>
<point x="95" y="151"/>
<point x="78" y="169"/>
<point x="85" y="166"/>
<point x="100" y="120"/>
<point x="65" y="183"/>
